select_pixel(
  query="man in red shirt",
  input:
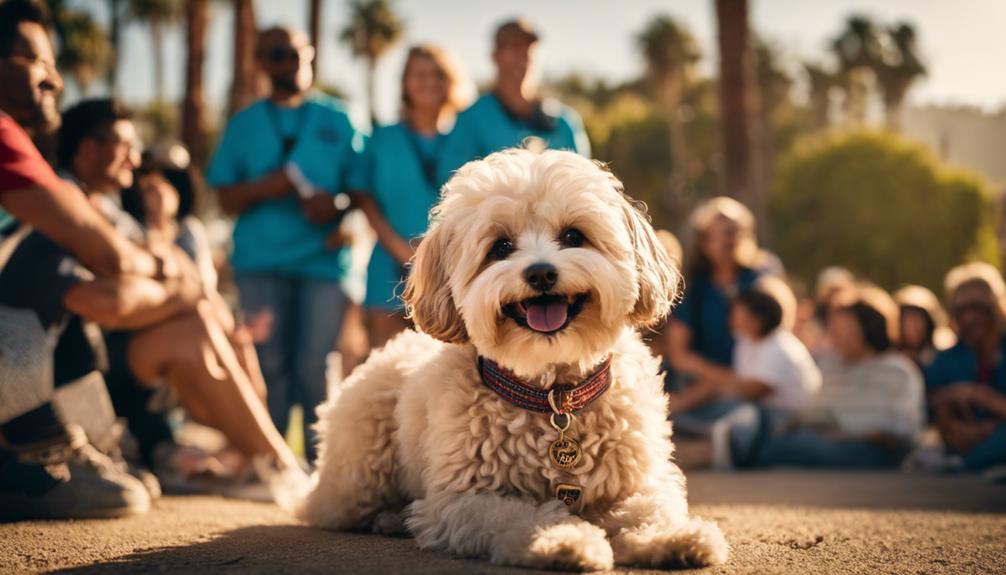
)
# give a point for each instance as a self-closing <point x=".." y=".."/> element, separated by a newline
<point x="48" y="469"/>
<point x="29" y="189"/>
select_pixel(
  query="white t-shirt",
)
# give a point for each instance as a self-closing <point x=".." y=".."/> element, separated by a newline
<point x="884" y="393"/>
<point x="780" y="361"/>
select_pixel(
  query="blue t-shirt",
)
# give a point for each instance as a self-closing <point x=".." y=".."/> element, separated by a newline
<point x="274" y="235"/>
<point x="959" y="363"/>
<point x="487" y="127"/>
<point x="705" y="309"/>
<point x="401" y="174"/>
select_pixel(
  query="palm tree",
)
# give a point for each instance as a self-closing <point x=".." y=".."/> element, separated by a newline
<point x="314" y="30"/>
<point x="739" y="104"/>
<point x="859" y="51"/>
<point x="157" y="14"/>
<point x="899" y="68"/>
<point x="243" y="86"/>
<point x="822" y="82"/>
<point x="115" y="37"/>
<point x="194" y="103"/>
<point x="84" y="51"/>
<point x="670" y="52"/>
<point x="372" y="30"/>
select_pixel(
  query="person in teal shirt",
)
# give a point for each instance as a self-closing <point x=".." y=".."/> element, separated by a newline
<point x="512" y="114"/>
<point x="282" y="166"/>
<point x="402" y="182"/>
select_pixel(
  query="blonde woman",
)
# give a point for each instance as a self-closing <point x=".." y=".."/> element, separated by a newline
<point x="402" y="164"/>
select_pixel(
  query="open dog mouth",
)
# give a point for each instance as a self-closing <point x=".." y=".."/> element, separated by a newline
<point x="547" y="314"/>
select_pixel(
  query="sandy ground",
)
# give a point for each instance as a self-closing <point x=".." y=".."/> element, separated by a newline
<point x="776" y="522"/>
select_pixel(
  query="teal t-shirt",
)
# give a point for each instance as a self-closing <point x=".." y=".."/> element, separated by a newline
<point x="274" y="235"/>
<point x="401" y="176"/>
<point x="487" y="127"/>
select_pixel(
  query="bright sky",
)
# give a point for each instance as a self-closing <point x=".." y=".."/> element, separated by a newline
<point x="961" y="41"/>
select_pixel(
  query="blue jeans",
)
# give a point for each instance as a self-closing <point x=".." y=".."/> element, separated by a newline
<point x="991" y="451"/>
<point x="754" y="443"/>
<point x="307" y="317"/>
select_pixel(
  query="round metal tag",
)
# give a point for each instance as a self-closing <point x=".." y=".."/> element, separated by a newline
<point x="565" y="453"/>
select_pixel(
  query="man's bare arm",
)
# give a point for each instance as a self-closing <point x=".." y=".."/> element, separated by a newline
<point x="65" y="216"/>
<point x="238" y="198"/>
<point x="128" y="303"/>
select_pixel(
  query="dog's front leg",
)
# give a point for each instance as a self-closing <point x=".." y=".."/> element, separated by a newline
<point x="509" y="531"/>
<point x="654" y="530"/>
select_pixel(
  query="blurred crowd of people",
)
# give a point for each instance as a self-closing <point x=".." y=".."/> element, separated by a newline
<point x="853" y="377"/>
<point x="113" y="308"/>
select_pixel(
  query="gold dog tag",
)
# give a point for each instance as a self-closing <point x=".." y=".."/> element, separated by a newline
<point x="564" y="452"/>
<point x="568" y="493"/>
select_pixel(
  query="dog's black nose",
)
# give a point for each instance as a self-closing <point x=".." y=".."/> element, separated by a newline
<point x="541" y="276"/>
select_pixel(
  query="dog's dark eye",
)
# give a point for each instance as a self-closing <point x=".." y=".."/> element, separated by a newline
<point x="571" y="238"/>
<point x="502" y="249"/>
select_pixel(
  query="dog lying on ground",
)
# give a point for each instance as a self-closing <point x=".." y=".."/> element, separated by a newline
<point x="526" y="421"/>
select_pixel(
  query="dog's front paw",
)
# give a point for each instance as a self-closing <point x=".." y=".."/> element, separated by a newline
<point x="691" y="543"/>
<point x="568" y="546"/>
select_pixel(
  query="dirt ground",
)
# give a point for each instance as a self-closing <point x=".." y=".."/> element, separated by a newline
<point x="776" y="522"/>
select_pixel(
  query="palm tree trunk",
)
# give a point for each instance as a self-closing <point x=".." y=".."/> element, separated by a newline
<point x="243" y="86"/>
<point x="114" y="33"/>
<point x="157" y="40"/>
<point x="194" y="104"/>
<point x="739" y="105"/>
<point x="314" y="29"/>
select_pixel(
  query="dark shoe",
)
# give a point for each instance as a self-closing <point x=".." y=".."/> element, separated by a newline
<point x="69" y="480"/>
<point x="115" y="453"/>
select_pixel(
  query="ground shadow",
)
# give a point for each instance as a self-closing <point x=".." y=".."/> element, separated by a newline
<point x="292" y="549"/>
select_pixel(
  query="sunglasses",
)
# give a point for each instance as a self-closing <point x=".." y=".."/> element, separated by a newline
<point x="280" y="54"/>
<point x="972" y="306"/>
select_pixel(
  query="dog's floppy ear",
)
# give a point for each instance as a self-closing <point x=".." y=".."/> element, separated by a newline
<point x="427" y="291"/>
<point x="659" y="279"/>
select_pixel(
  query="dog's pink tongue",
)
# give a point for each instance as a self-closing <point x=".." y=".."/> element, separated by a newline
<point x="546" y="316"/>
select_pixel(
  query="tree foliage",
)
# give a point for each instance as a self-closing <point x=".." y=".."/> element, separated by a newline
<point x="881" y="206"/>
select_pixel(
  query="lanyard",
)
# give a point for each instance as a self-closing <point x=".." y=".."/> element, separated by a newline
<point x="540" y="121"/>
<point x="427" y="162"/>
<point x="287" y="141"/>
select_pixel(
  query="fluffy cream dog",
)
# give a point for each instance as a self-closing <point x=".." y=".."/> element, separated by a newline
<point x="536" y="262"/>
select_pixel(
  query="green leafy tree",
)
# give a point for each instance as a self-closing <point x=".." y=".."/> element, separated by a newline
<point x="373" y="29"/>
<point x="84" y="51"/>
<point x="881" y="206"/>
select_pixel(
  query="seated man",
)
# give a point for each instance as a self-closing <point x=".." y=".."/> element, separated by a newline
<point x="47" y="467"/>
<point x="98" y="148"/>
<point x="177" y="340"/>
<point x="967" y="383"/>
<point x="98" y="152"/>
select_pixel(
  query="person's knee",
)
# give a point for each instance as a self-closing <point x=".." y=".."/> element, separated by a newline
<point x="178" y="343"/>
<point x="991" y="451"/>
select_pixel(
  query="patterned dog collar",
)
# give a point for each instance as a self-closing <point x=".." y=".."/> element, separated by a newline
<point x="561" y="399"/>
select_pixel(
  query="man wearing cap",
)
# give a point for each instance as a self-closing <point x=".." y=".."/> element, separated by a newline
<point x="513" y="112"/>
